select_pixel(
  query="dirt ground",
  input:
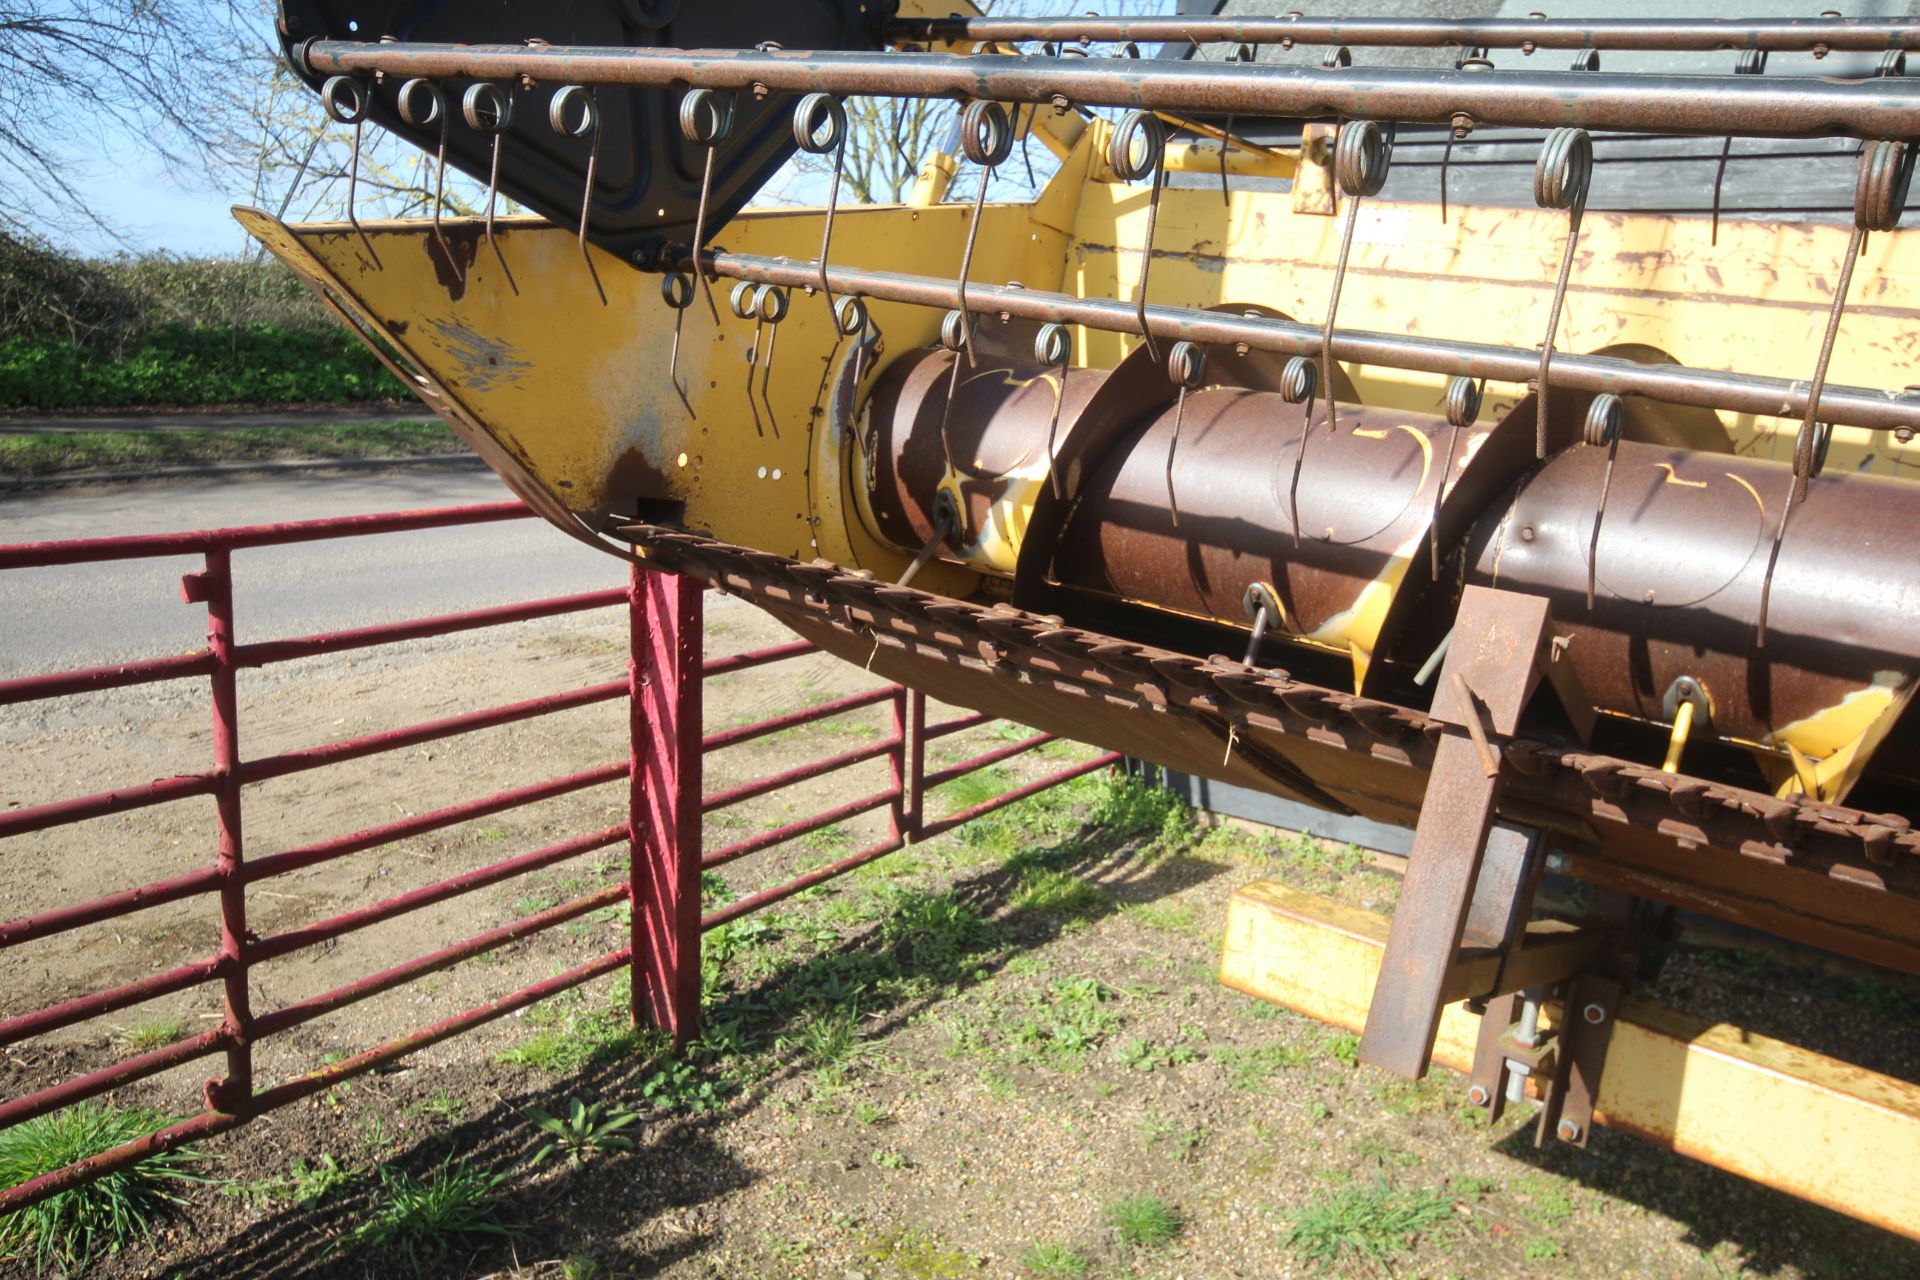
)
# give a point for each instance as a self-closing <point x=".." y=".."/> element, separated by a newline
<point x="954" y="1062"/>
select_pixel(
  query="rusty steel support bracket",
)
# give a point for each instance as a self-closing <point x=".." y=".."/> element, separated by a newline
<point x="1314" y="190"/>
<point x="1499" y="654"/>
<point x="1585" y="1031"/>
<point x="664" y="841"/>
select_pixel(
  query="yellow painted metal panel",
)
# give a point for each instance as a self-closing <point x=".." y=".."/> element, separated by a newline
<point x="1781" y="1115"/>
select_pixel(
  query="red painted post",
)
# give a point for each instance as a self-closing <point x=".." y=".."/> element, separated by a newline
<point x="214" y="588"/>
<point x="664" y="818"/>
<point x="916" y="764"/>
<point x="897" y="765"/>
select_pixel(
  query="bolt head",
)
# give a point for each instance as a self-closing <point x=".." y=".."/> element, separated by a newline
<point x="1478" y="1095"/>
<point x="1595" y="1013"/>
<point x="1568" y="1131"/>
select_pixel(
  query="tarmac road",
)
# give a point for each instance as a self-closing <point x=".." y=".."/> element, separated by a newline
<point x="88" y="615"/>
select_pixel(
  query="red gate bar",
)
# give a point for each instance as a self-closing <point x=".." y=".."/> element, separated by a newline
<point x="663" y="770"/>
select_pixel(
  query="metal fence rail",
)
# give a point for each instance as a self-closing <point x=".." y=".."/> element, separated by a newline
<point x="667" y="670"/>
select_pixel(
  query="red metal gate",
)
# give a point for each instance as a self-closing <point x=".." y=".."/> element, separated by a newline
<point x="666" y="674"/>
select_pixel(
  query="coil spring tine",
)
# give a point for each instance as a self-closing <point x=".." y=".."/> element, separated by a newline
<point x="1241" y="53"/>
<point x="434" y="111"/>
<point x="705" y="120"/>
<point x="1361" y="157"/>
<point x="741" y="303"/>
<point x="488" y="109"/>
<point x="1561" y="178"/>
<point x="1186" y="367"/>
<point x="1603" y="428"/>
<point x="1297" y="383"/>
<point x="350" y="109"/>
<point x="955" y="331"/>
<point x="986" y="138"/>
<point x="1752" y="62"/>
<point x="770" y="307"/>
<point x="1051" y="346"/>
<point x="813" y="111"/>
<point x="1884" y="175"/>
<point x="676" y="290"/>
<point x="1143" y="127"/>
<point x="1463" y="407"/>
<point x="588" y="127"/>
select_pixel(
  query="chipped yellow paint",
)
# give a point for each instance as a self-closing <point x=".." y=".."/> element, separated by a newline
<point x="1830" y="747"/>
<point x="1356" y="629"/>
<point x="1677" y="482"/>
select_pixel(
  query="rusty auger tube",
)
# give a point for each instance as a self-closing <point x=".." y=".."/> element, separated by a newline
<point x="1745" y="106"/>
<point x="1701" y="35"/>
<point x="1669" y="384"/>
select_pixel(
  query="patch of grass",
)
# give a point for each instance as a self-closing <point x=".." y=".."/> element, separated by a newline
<point x="1367" y="1223"/>
<point x="974" y="788"/>
<point x="1250" y="1069"/>
<point x="1345" y="1048"/>
<point x="1551" y="1204"/>
<point x="1051" y="1261"/>
<point x="1056" y="893"/>
<point x="1070" y="1019"/>
<point x="1146" y="1221"/>
<point x="587" y="1130"/>
<point x="55" y="452"/>
<point x="1167" y="917"/>
<point x="920" y="1255"/>
<point x="152" y="1033"/>
<point x="424" y="1219"/>
<point x="868" y="1113"/>
<point x="303" y="1184"/>
<point x="888" y="1158"/>
<point x="1127" y="808"/>
<point x="71" y="1228"/>
<point x="579" y="1038"/>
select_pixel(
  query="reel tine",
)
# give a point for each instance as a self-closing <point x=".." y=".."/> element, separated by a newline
<point x="1297" y="386"/>
<point x="1884" y="176"/>
<point x="1362" y="155"/>
<point x="587" y="126"/>
<point x="1051" y="346"/>
<point x="345" y="100"/>
<point x="1603" y="426"/>
<point x="1142" y="128"/>
<point x="813" y="113"/>
<point x="676" y="290"/>
<point x="1561" y="178"/>
<point x="770" y="305"/>
<point x="1186" y="368"/>
<point x="705" y="120"/>
<point x="1463" y="407"/>
<point x="488" y="109"/>
<point x="1753" y="62"/>
<point x="422" y="104"/>
<point x="741" y="303"/>
<point x="986" y="138"/>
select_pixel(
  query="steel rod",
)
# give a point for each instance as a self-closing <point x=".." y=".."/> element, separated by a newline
<point x="1775" y="35"/>
<point x="1746" y="106"/>
<point x="1670" y="384"/>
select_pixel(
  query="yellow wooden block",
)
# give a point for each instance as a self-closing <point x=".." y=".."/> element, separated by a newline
<point x="1805" y="1123"/>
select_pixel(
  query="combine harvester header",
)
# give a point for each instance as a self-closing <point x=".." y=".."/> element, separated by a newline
<point x="1508" y="443"/>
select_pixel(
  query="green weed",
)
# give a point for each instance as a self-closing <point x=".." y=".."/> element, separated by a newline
<point x="1056" y="893"/>
<point x="152" y="1033"/>
<point x="424" y="1219"/>
<point x="1371" y="1224"/>
<point x="1054" y="1262"/>
<point x="303" y="1184"/>
<point x="70" y="1228"/>
<point x="579" y="1039"/>
<point x="1147" y="1221"/>
<point x="587" y="1130"/>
